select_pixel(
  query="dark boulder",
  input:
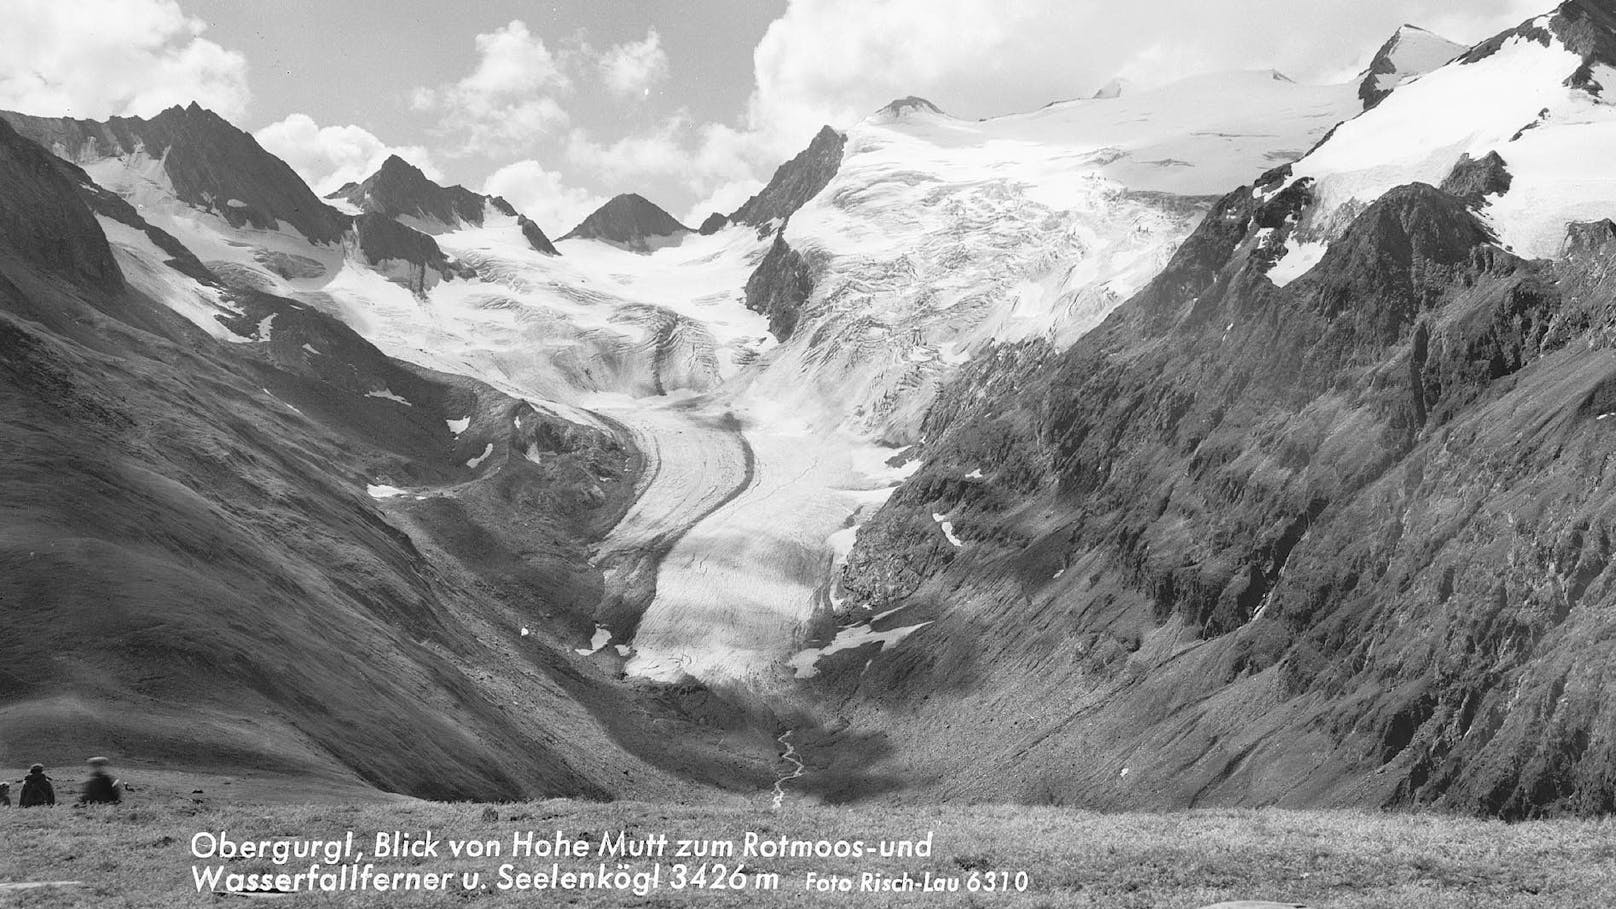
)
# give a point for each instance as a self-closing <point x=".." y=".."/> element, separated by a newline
<point x="382" y="239"/>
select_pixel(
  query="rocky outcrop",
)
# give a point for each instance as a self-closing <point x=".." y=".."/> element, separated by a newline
<point x="630" y="221"/>
<point x="714" y="223"/>
<point x="794" y="182"/>
<point x="44" y="221"/>
<point x="211" y="164"/>
<point x="779" y="287"/>
<point x="1474" y="179"/>
<point x="415" y="256"/>
<point x="535" y="237"/>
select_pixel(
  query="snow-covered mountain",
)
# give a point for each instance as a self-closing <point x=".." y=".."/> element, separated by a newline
<point x="1532" y="100"/>
<point x="1409" y="53"/>
<point x="400" y="191"/>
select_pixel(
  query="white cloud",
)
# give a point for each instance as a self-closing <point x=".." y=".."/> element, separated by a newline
<point x="633" y="68"/>
<point x="326" y="157"/>
<point x="98" y="58"/>
<point x="507" y="100"/>
<point x="657" y="153"/>
<point x="836" y="60"/>
<point x="543" y="196"/>
<point x="702" y="159"/>
<point x="723" y="200"/>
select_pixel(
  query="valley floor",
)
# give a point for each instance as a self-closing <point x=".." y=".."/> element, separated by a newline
<point x="139" y="855"/>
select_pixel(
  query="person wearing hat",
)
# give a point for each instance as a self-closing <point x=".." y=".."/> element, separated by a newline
<point x="36" y="789"/>
<point x="100" y="788"/>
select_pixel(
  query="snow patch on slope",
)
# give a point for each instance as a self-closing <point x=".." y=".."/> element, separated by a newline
<point x="805" y="663"/>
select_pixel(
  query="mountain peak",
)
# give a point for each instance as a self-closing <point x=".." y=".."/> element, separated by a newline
<point x="796" y="181"/>
<point x="394" y="162"/>
<point x="1410" y="51"/>
<point x="901" y="108"/>
<point x="629" y="220"/>
<point x="213" y="165"/>
<point x="400" y="189"/>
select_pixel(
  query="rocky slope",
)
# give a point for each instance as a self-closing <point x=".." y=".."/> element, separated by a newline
<point x="399" y="188"/>
<point x="42" y="220"/>
<point x="630" y="221"/>
<point x="1323" y="535"/>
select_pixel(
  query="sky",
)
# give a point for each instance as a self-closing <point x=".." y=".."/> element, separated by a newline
<point x="692" y="103"/>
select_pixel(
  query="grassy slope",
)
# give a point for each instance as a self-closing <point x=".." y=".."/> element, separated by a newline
<point x="138" y="855"/>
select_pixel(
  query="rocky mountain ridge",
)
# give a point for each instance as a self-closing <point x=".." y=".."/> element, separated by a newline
<point x="399" y="189"/>
<point x="794" y="182"/>
<point x="210" y="163"/>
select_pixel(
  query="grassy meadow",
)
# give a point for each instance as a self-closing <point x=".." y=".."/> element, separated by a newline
<point x="139" y="855"/>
